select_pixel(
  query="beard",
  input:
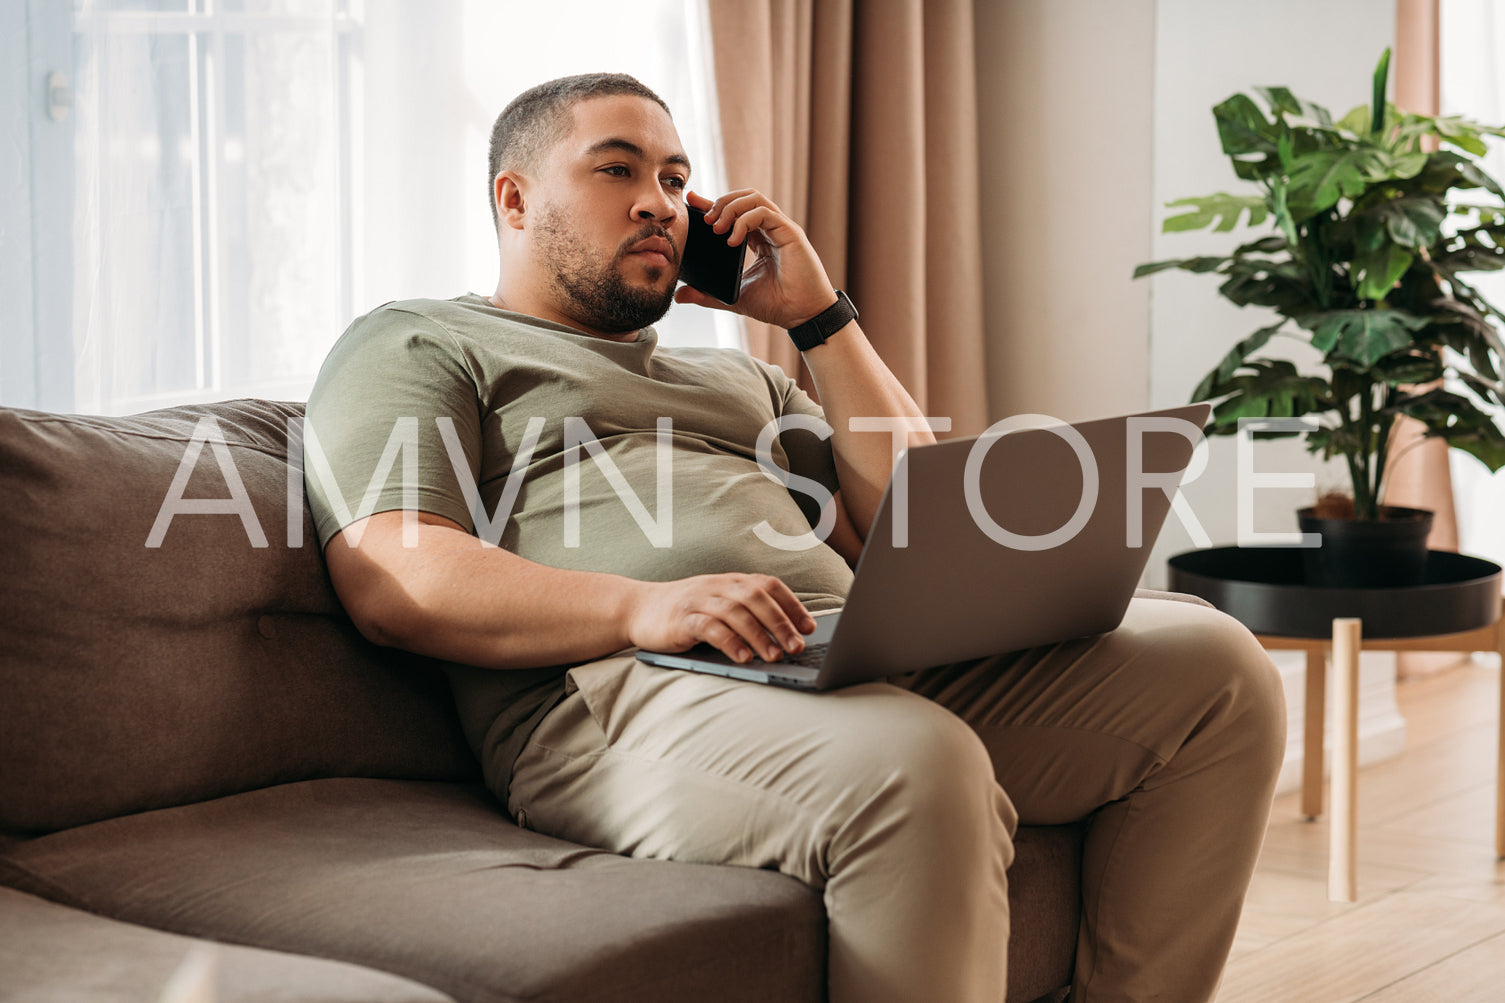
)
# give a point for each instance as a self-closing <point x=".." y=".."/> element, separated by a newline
<point x="595" y="291"/>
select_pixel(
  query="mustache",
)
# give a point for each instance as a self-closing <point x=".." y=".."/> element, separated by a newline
<point x="650" y="230"/>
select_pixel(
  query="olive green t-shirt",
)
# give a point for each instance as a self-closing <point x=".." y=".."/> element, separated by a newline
<point x="572" y="451"/>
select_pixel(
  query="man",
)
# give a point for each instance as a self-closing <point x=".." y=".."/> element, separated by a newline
<point x="534" y="576"/>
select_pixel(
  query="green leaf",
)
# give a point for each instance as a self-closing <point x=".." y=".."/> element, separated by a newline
<point x="1380" y="271"/>
<point x="1230" y="363"/>
<point x="1381" y="74"/>
<point x="1272" y="389"/>
<point x="1284" y="285"/>
<point x="1404" y="166"/>
<point x="1243" y="128"/>
<point x="1320" y="179"/>
<point x="1411" y="220"/>
<point x="1200" y="264"/>
<point x="1459" y="422"/>
<point x="1356" y="121"/>
<point x="1224" y="208"/>
<point x="1407" y="370"/>
<point x="1365" y="336"/>
<point x="1264" y="245"/>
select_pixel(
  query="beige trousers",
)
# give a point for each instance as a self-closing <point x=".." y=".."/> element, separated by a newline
<point x="1168" y="733"/>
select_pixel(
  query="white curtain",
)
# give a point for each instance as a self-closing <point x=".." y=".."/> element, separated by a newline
<point x="249" y="175"/>
<point x="1472" y="70"/>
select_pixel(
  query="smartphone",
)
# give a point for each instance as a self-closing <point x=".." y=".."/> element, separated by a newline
<point x="709" y="263"/>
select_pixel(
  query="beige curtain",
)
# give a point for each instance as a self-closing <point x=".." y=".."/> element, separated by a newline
<point x="860" y="121"/>
<point x="1420" y="477"/>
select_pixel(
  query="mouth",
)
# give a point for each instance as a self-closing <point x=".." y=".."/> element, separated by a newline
<point x="655" y="252"/>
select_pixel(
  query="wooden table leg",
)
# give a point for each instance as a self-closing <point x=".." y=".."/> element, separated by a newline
<point x="1343" y="874"/>
<point x="1500" y="755"/>
<point x="1314" y="723"/>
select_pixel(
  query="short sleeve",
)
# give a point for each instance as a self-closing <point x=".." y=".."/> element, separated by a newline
<point x="393" y="422"/>
<point x="809" y="454"/>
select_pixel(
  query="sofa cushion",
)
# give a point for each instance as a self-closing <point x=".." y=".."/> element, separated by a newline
<point x="140" y="676"/>
<point x="430" y="881"/>
<point x="52" y="954"/>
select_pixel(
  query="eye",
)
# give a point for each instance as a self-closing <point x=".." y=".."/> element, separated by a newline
<point x="617" y="171"/>
<point x="677" y="182"/>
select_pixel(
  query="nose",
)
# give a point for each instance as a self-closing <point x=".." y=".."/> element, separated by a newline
<point x="656" y="205"/>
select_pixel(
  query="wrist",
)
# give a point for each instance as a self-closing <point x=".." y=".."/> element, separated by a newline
<point x="814" y="331"/>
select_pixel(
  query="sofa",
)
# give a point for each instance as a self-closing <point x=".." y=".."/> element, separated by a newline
<point x="201" y="757"/>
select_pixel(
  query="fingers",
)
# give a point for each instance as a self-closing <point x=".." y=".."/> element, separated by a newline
<point x="742" y="616"/>
<point x="739" y="213"/>
<point x="752" y="614"/>
<point x="689" y="294"/>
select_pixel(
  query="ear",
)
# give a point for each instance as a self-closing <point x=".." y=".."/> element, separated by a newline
<point x="511" y="205"/>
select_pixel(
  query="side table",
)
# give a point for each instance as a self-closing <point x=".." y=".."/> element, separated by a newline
<point x="1456" y="608"/>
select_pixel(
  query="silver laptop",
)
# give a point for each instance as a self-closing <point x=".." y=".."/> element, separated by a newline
<point x="991" y="544"/>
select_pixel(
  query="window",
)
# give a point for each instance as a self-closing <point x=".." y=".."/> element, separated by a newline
<point x="233" y="181"/>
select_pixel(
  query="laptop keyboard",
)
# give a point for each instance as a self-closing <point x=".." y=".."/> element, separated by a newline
<point x="810" y="658"/>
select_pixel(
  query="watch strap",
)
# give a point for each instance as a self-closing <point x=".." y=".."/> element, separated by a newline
<point x="817" y="329"/>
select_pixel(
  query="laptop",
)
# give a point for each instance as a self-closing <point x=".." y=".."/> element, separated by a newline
<point x="992" y="544"/>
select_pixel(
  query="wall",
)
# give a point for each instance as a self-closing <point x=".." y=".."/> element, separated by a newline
<point x="1066" y="91"/>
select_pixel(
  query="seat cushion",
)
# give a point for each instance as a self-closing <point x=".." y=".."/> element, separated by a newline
<point x="147" y="663"/>
<point x="52" y="954"/>
<point x="432" y="882"/>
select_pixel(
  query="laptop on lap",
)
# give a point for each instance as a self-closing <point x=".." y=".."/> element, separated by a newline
<point x="1008" y="540"/>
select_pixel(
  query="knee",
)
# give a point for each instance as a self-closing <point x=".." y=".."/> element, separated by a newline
<point x="1244" y="687"/>
<point x="921" y="768"/>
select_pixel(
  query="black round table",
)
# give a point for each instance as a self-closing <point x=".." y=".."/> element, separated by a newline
<point x="1457" y="607"/>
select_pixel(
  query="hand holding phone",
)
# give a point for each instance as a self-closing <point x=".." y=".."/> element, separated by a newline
<point x="709" y="263"/>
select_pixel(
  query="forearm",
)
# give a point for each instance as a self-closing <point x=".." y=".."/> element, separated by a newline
<point x="853" y="382"/>
<point x="448" y="595"/>
<point x="455" y="598"/>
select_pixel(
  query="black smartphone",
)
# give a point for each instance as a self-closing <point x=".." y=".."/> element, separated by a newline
<point x="709" y="263"/>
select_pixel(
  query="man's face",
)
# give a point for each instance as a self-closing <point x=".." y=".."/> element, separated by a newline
<point x="611" y="220"/>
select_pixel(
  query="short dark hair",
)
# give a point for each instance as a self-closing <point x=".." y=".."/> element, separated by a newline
<point x="539" y="117"/>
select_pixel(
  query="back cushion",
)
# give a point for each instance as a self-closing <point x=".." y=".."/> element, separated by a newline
<point x="135" y="676"/>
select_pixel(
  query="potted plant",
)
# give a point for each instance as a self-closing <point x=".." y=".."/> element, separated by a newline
<point x="1375" y="218"/>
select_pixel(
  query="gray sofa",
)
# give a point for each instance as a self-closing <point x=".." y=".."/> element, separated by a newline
<point x="196" y="746"/>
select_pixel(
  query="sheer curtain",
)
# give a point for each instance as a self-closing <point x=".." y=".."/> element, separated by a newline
<point x="1472" y="70"/>
<point x="246" y="176"/>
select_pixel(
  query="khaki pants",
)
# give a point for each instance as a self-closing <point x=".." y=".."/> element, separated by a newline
<point x="1169" y="732"/>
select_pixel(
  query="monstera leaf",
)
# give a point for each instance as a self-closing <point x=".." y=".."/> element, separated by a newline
<point x="1272" y="388"/>
<point x="1365" y="336"/>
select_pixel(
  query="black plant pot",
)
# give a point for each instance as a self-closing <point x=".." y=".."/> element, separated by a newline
<point x="1367" y="553"/>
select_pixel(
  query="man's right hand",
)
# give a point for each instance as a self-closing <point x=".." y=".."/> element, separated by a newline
<point x="739" y="615"/>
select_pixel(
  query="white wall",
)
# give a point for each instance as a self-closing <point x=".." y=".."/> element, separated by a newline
<point x="1065" y="106"/>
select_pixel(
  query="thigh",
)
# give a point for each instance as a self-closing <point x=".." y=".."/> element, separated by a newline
<point x="675" y="765"/>
<point x="1073" y="726"/>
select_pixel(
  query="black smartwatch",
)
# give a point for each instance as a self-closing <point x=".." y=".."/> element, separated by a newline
<point x="817" y="329"/>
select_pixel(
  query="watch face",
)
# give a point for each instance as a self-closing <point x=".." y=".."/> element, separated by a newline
<point x="709" y="263"/>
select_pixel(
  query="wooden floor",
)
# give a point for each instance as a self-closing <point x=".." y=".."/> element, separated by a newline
<point x="1429" y="924"/>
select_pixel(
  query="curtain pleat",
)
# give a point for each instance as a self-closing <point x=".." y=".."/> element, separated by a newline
<point x="1420" y="477"/>
<point x="861" y="123"/>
